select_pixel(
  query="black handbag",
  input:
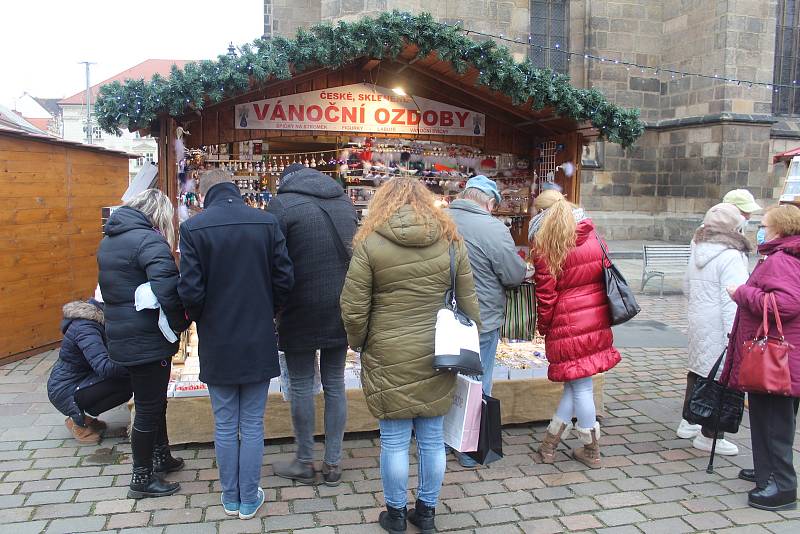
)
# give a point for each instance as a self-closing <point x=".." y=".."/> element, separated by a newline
<point x="713" y="404"/>
<point x="490" y="440"/>
<point x="622" y="304"/>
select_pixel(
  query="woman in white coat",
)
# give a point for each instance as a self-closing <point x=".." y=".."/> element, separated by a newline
<point x="718" y="259"/>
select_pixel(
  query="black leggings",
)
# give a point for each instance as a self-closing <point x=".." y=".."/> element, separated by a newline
<point x="104" y="395"/>
<point x="149" y="382"/>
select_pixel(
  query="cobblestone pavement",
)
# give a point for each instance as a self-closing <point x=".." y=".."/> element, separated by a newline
<point x="652" y="482"/>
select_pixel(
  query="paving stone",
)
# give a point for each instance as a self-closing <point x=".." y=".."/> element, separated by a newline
<point x="312" y="505"/>
<point x="749" y="516"/>
<point x="549" y="494"/>
<point x="182" y="515"/>
<point x="288" y="522"/>
<point x="62" y="510"/>
<point x="13" y="515"/>
<point x="342" y="517"/>
<point x="76" y="524"/>
<point x="541" y="526"/>
<point x="620" y="500"/>
<point x="594" y="488"/>
<point x="49" y="497"/>
<point x="345" y="502"/>
<point x="530" y="511"/>
<point x="129" y="520"/>
<point x="162" y="503"/>
<point x="483" y="488"/>
<point x="496" y="516"/>
<point x="662" y="510"/>
<point x="672" y="525"/>
<point x="468" y="504"/>
<point x="29" y="527"/>
<point x="192" y="528"/>
<point x="240" y="527"/>
<point x="580" y="522"/>
<point x="114" y="507"/>
<point x="577" y="504"/>
<point x="708" y="521"/>
<point x="620" y="516"/>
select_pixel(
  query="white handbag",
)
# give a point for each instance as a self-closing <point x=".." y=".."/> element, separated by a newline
<point x="457" y="342"/>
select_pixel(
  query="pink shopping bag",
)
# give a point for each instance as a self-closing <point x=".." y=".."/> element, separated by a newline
<point x="462" y="424"/>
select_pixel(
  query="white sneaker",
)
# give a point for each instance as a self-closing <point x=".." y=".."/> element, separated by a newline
<point x="686" y="430"/>
<point x="724" y="447"/>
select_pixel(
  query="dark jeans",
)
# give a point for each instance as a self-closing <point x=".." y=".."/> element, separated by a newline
<point x="772" y="428"/>
<point x="104" y="395"/>
<point x="691" y="378"/>
<point x="149" y="382"/>
<point x="301" y="379"/>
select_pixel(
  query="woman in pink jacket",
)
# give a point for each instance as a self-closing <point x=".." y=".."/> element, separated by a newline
<point x="772" y="417"/>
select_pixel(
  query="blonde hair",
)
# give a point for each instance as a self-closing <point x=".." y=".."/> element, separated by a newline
<point x="785" y="218"/>
<point x="405" y="191"/>
<point x="158" y="210"/>
<point x="557" y="233"/>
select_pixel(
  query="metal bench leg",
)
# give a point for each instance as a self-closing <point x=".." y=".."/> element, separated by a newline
<point x="661" y="294"/>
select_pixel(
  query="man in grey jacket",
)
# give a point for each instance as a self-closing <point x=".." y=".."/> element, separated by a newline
<point x="495" y="266"/>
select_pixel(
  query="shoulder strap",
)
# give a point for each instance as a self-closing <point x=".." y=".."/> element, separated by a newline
<point x="453" y="302"/>
<point x="606" y="260"/>
<point x="344" y="251"/>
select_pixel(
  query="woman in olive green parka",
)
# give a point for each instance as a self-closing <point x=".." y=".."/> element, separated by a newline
<point x="394" y="288"/>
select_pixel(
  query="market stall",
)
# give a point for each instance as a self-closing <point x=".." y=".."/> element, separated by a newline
<point x="363" y="102"/>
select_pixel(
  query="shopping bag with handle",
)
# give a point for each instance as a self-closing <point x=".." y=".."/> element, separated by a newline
<point x="462" y="424"/>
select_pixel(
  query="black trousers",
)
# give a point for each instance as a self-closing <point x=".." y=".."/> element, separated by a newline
<point x="104" y="395"/>
<point x="149" y="382"/>
<point x="772" y="428"/>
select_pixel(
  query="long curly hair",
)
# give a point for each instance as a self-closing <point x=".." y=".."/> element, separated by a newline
<point x="558" y="233"/>
<point x="405" y="191"/>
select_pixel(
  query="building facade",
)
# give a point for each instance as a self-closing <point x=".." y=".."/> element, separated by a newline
<point x="74" y="121"/>
<point x="704" y="136"/>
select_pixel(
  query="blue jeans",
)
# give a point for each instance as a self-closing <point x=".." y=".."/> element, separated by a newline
<point x="395" y="442"/>
<point x="489" y="342"/>
<point x="578" y="400"/>
<point x="239" y="438"/>
<point x="301" y="379"/>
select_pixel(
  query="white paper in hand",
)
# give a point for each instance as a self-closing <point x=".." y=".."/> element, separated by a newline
<point x="145" y="299"/>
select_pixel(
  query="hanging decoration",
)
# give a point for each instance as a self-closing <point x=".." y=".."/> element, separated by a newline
<point x="135" y="104"/>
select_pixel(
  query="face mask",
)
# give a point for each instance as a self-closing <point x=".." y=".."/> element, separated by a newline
<point x="761" y="236"/>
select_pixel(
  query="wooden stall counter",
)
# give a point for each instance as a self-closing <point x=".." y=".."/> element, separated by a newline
<point x="190" y="419"/>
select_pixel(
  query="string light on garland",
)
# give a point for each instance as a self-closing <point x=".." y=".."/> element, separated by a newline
<point x="644" y="68"/>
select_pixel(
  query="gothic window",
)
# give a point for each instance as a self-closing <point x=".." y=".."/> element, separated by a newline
<point x="786" y="101"/>
<point x="549" y="29"/>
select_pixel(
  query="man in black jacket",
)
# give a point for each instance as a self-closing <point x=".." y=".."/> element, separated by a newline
<point x="235" y="273"/>
<point x="319" y="222"/>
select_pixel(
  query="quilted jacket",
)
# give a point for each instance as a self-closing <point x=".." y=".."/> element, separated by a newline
<point x="394" y="288"/>
<point x="573" y="311"/>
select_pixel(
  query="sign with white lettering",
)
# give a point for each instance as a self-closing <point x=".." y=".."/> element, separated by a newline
<point x="359" y="108"/>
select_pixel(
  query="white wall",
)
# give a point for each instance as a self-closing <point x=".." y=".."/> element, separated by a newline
<point x="74" y="120"/>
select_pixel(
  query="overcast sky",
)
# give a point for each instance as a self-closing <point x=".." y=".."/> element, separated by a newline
<point x="42" y="41"/>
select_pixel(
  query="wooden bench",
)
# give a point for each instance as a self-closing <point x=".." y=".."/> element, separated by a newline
<point x="662" y="260"/>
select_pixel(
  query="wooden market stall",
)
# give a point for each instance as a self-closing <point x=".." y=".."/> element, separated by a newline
<point x="51" y="193"/>
<point x="399" y="94"/>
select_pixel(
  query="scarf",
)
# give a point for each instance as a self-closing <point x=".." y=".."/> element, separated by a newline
<point x="536" y="222"/>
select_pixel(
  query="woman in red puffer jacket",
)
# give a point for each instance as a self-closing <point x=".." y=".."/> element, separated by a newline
<point x="573" y="317"/>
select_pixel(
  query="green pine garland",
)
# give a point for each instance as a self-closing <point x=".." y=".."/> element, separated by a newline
<point x="135" y="104"/>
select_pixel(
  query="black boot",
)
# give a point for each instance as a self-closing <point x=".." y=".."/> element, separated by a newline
<point x="772" y="498"/>
<point x="163" y="461"/>
<point x="393" y="520"/>
<point x="422" y="517"/>
<point x="144" y="483"/>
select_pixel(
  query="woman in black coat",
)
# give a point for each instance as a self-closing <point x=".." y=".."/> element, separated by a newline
<point x="84" y="380"/>
<point x="137" y="249"/>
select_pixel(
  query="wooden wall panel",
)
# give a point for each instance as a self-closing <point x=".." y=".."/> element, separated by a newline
<point x="50" y="200"/>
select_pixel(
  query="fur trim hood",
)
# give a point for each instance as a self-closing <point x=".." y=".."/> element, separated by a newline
<point x="733" y="240"/>
<point x="81" y="309"/>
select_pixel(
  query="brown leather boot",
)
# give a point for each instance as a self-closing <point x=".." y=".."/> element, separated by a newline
<point x="589" y="454"/>
<point x="83" y="434"/>
<point x="546" y="454"/>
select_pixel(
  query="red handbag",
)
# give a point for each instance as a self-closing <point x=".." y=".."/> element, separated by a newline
<point x="765" y="359"/>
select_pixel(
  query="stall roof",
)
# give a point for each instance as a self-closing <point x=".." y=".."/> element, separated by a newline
<point x="786" y="156"/>
<point x="439" y="55"/>
<point x="45" y="138"/>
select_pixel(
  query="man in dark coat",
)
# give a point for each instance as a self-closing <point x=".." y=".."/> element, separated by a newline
<point x="84" y="379"/>
<point x="319" y="222"/>
<point x="235" y="273"/>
